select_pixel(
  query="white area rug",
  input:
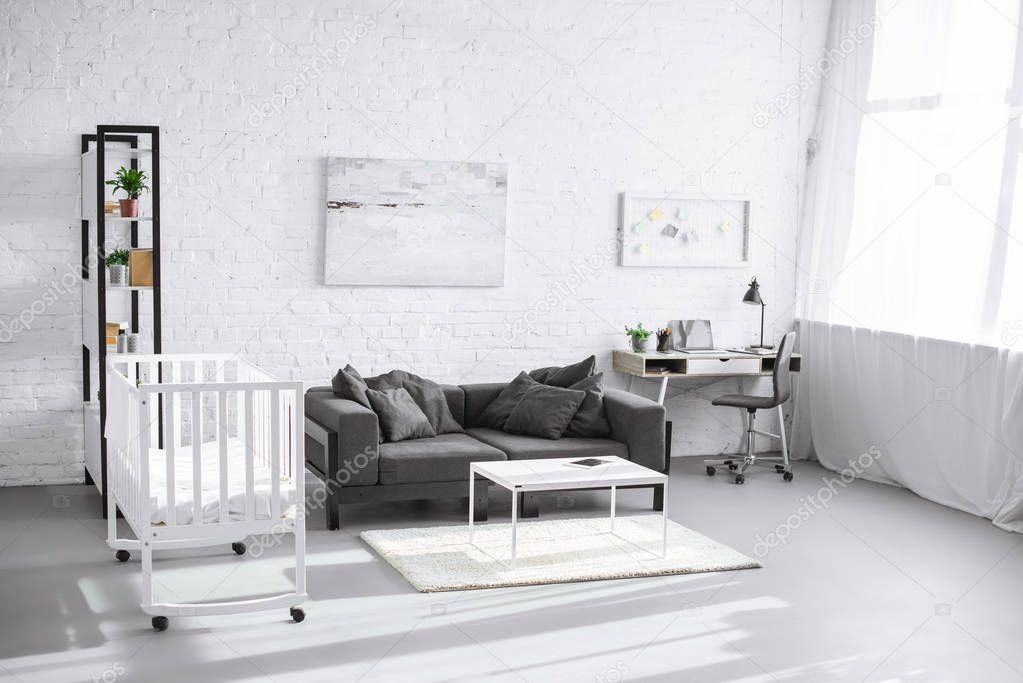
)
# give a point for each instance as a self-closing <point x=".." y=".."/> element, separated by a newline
<point x="549" y="551"/>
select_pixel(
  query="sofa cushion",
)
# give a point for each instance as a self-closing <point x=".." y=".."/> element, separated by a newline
<point x="590" y="420"/>
<point x="456" y="403"/>
<point x="348" y="383"/>
<point x="477" y="398"/>
<point x="544" y="411"/>
<point x="400" y="417"/>
<point x="442" y="458"/>
<point x="558" y="376"/>
<point x="521" y="447"/>
<point x="496" y="414"/>
<point x="432" y="398"/>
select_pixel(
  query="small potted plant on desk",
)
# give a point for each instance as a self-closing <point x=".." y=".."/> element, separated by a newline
<point x="117" y="264"/>
<point x="133" y="182"/>
<point x="639" y="336"/>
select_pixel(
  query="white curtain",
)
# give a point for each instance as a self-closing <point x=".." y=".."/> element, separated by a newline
<point x="911" y="254"/>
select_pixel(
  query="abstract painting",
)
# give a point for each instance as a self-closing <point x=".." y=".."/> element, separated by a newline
<point x="415" y="223"/>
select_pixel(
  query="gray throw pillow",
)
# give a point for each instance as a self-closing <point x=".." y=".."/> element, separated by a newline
<point x="348" y="383"/>
<point x="427" y="394"/>
<point x="399" y="416"/>
<point x="590" y="421"/>
<point x="388" y="380"/>
<point x="557" y="376"/>
<point x="544" y="411"/>
<point x="497" y="412"/>
<point x="430" y="398"/>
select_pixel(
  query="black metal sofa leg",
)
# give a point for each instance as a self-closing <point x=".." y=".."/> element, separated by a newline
<point x="333" y="510"/>
<point x="659" y="488"/>
<point x="480" y="502"/>
<point x="529" y="505"/>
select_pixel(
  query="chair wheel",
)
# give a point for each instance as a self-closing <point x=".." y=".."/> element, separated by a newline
<point x="710" y="471"/>
<point x="297" y="614"/>
<point x="740" y="478"/>
<point x="160" y="623"/>
<point x="787" y="476"/>
<point x="238" y="548"/>
<point x="122" y="555"/>
<point x="779" y="468"/>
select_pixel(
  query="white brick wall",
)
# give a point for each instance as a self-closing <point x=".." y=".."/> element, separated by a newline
<point x="582" y="99"/>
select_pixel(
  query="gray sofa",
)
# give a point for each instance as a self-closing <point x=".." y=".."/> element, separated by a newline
<point x="342" y="442"/>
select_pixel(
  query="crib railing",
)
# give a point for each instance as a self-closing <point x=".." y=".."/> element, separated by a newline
<point x="176" y="401"/>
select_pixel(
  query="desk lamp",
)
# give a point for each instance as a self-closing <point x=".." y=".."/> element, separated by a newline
<point x="752" y="298"/>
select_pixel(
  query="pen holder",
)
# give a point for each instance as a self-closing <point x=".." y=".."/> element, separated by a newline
<point x="664" y="341"/>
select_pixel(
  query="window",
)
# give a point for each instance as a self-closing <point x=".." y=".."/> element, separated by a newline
<point x="936" y="241"/>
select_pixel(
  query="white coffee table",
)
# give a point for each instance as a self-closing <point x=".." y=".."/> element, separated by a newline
<point x="556" y="474"/>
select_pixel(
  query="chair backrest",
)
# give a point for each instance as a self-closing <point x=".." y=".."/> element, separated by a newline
<point x="781" y="380"/>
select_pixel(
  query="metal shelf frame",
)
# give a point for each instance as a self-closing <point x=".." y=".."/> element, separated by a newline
<point x="104" y="135"/>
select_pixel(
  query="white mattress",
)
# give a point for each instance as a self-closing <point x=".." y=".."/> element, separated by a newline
<point x="211" y="485"/>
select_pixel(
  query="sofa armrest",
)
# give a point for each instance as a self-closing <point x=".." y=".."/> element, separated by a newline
<point x="638" y="423"/>
<point x="358" y="436"/>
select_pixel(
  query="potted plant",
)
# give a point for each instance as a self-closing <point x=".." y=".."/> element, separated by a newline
<point x="639" y="336"/>
<point x="133" y="182"/>
<point x="117" y="264"/>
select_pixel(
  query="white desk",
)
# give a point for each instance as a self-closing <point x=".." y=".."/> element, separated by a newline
<point x="696" y="365"/>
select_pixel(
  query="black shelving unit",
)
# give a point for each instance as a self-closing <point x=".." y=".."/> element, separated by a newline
<point x="96" y="359"/>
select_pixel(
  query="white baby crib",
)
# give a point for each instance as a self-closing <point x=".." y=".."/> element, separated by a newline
<point x="202" y="450"/>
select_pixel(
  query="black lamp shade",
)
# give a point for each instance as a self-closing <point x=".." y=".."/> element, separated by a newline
<point x="752" y="296"/>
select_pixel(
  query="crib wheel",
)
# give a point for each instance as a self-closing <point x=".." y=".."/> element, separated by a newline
<point x="122" y="555"/>
<point x="238" y="548"/>
<point x="160" y="623"/>
<point x="298" y="614"/>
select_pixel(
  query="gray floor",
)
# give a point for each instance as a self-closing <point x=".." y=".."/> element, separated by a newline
<point x="879" y="586"/>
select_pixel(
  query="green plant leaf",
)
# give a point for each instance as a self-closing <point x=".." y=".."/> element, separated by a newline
<point x="131" y="180"/>
<point x="118" y="257"/>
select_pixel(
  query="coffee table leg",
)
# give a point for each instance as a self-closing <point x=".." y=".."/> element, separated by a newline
<point x="515" y="520"/>
<point x="664" y="522"/>
<point x="613" y="491"/>
<point x="472" y="501"/>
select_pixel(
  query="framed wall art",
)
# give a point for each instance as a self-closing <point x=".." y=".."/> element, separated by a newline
<point x="415" y="223"/>
<point x="684" y="230"/>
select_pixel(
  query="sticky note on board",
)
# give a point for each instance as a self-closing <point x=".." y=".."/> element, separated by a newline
<point x="682" y="214"/>
<point x="725" y="227"/>
<point x="670" y="230"/>
<point x="656" y="214"/>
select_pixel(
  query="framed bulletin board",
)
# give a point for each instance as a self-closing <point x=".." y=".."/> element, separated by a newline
<point x="694" y="230"/>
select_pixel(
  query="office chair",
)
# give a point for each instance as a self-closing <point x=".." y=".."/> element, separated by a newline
<point x="782" y="388"/>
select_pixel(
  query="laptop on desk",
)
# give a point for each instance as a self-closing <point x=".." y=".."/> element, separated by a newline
<point x="692" y="336"/>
